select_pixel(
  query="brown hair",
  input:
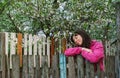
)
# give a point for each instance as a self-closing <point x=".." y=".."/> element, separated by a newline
<point x="86" y="38"/>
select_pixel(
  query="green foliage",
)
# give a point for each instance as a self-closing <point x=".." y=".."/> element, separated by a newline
<point x="115" y="0"/>
<point x="31" y="16"/>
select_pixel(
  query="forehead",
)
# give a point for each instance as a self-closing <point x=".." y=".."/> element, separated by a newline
<point x="76" y="35"/>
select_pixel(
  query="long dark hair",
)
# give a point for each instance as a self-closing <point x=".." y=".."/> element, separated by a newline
<point x="86" y="38"/>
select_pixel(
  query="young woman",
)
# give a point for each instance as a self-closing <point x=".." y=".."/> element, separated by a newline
<point x="91" y="50"/>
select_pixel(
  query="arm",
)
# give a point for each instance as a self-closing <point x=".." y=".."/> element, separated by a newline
<point x="73" y="51"/>
<point x="96" y="54"/>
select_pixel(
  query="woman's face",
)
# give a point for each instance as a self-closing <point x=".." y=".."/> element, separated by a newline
<point x="78" y="39"/>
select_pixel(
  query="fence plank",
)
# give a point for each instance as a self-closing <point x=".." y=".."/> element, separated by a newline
<point x="7" y="51"/>
<point x="31" y="66"/>
<point x="0" y="66"/>
<point x="30" y="44"/>
<point x="45" y="67"/>
<point x="89" y="70"/>
<point x="52" y="48"/>
<point x="62" y="60"/>
<point x="40" y="50"/>
<point x="116" y="66"/>
<point x="25" y="67"/>
<point x="25" y="44"/>
<point x="44" y="43"/>
<point x="110" y="67"/>
<point x="12" y="46"/>
<point x="2" y="55"/>
<point x="19" y="47"/>
<point x="71" y="68"/>
<point x="37" y="70"/>
<point x="15" y="66"/>
<point x="6" y="43"/>
<point x="99" y="73"/>
<point x="48" y="50"/>
<point x="55" y="68"/>
<point x="112" y="63"/>
<point x="35" y="47"/>
<point x="80" y="67"/>
<point x="64" y="44"/>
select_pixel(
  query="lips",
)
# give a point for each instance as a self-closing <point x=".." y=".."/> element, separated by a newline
<point x="78" y="42"/>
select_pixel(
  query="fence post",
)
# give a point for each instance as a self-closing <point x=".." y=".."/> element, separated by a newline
<point x="2" y="55"/>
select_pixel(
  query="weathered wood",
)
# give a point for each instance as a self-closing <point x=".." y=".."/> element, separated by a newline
<point x="64" y="44"/>
<point x="99" y="73"/>
<point x="116" y="66"/>
<point x="52" y="47"/>
<point x="110" y="67"/>
<point x="45" y="67"/>
<point x="30" y="44"/>
<point x="48" y="51"/>
<point x="7" y="67"/>
<point x="15" y="66"/>
<point x="35" y="47"/>
<point x="7" y="55"/>
<point x="55" y="68"/>
<point x="37" y="65"/>
<point x="25" y="67"/>
<point x="0" y="62"/>
<point x="80" y="67"/>
<point x="31" y="66"/>
<point x="2" y="55"/>
<point x="12" y="46"/>
<point x="37" y="69"/>
<point x="1" y="43"/>
<point x="40" y="50"/>
<point x="106" y="65"/>
<point x="89" y="70"/>
<point x="44" y="45"/>
<point x="25" y="47"/>
<point x="71" y="68"/>
<point x="117" y="8"/>
<point x="56" y="46"/>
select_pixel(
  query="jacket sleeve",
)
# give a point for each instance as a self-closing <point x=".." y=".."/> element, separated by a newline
<point x="96" y="54"/>
<point x="73" y="51"/>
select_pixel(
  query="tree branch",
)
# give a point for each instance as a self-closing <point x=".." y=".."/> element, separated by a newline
<point x="13" y="22"/>
<point x="4" y="6"/>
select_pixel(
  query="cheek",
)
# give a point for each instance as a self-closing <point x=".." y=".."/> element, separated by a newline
<point x="81" y="41"/>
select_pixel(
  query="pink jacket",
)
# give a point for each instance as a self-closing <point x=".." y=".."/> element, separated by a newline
<point x="96" y="56"/>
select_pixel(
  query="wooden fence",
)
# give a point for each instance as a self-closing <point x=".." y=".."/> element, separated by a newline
<point x="32" y="56"/>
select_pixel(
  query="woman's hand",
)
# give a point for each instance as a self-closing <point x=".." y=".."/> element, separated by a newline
<point x="87" y="50"/>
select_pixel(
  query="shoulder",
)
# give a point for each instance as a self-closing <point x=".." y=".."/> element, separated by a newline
<point x="96" y="43"/>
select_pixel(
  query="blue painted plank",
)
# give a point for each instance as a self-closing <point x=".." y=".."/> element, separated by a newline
<point x="62" y="62"/>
